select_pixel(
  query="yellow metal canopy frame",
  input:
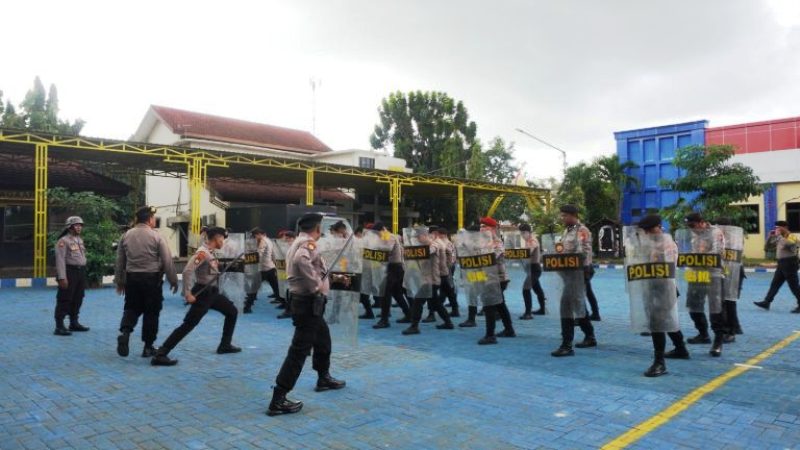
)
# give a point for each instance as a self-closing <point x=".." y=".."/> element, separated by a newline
<point x="199" y="163"/>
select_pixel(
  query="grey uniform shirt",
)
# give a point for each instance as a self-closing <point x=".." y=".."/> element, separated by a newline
<point x="204" y="266"/>
<point x="396" y="253"/>
<point x="578" y="239"/>
<point x="536" y="251"/>
<point x="265" y="251"/>
<point x="441" y="256"/>
<point x="785" y="247"/>
<point x="305" y="267"/>
<point x="143" y="250"/>
<point x="69" y="252"/>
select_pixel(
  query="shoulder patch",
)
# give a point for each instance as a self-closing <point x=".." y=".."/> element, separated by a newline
<point x="200" y="257"/>
<point x="311" y="246"/>
<point x="61" y="243"/>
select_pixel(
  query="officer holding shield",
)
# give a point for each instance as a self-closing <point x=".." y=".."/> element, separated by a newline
<point x="423" y="271"/>
<point x="533" y="275"/>
<point x="308" y="287"/>
<point x="650" y="258"/>
<point x="269" y="272"/>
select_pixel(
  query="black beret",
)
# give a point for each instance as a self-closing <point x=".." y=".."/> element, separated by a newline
<point x="694" y="217"/>
<point x="569" y="209"/>
<point x="378" y="226"/>
<point x="524" y="227"/>
<point x="214" y="231"/>
<point x="473" y="228"/>
<point x="441" y="230"/>
<point x="781" y="223"/>
<point x="649" y="221"/>
<point x="256" y="231"/>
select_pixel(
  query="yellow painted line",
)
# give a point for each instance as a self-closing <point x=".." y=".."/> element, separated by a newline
<point x="644" y="428"/>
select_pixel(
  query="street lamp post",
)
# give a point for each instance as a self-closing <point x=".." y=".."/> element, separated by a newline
<point x="563" y="153"/>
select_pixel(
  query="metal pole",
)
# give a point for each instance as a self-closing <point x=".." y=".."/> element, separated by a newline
<point x="563" y="153"/>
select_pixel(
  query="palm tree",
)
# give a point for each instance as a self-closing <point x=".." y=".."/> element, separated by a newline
<point x="617" y="177"/>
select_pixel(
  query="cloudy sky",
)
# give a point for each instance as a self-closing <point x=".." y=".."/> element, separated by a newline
<point x="571" y="72"/>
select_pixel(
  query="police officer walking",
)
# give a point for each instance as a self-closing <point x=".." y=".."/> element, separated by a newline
<point x="142" y="260"/>
<point x="71" y="277"/>
<point x="532" y="277"/>
<point x="269" y="272"/>
<point x="307" y="289"/>
<point x="786" y="244"/>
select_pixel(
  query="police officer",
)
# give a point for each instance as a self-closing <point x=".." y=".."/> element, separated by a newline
<point x="786" y="247"/>
<point x="71" y="277"/>
<point x="142" y="260"/>
<point x="576" y="238"/>
<point x="501" y="309"/>
<point x="532" y="278"/>
<point x="269" y="272"/>
<point x="428" y="278"/>
<point x="202" y="296"/>
<point x="448" y="287"/>
<point x="307" y="289"/>
<point x="394" y="282"/>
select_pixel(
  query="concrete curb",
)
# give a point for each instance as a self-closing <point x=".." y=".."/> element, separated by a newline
<point x="6" y="283"/>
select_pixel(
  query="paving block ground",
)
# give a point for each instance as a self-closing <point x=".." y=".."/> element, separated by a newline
<point x="435" y="390"/>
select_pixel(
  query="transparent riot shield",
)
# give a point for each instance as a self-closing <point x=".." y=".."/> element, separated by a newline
<point x="478" y="262"/>
<point x="376" y="246"/>
<point x="562" y="276"/>
<point x="251" y="259"/>
<point x="517" y="258"/>
<point x="230" y="256"/>
<point x="281" y="247"/>
<point x="700" y="265"/>
<point x="650" y="274"/>
<point x="419" y="262"/>
<point x="732" y="261"/>
<point x="343" y="259"/>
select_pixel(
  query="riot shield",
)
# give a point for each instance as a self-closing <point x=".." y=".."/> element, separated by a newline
<point x="342" y="257"/>
<point x="376" y="246"/>
<point x="650" y="274"/>
<point x="419" y="263"/>
<point x="281" y="247"/>
<point x="732" y="261"/>
<point x="700" y="263"/>
<point x="252" y="274"/>
<point x="517" y="257"/>
<point x="478" y="262"/>
<point x="232" y="282"/>
<point x="563" y="276"/>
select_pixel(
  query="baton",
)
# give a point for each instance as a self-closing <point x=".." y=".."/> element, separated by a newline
<point x="216" y="277"/>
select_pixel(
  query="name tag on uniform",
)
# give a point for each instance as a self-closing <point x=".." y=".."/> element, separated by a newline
<point x="477" y="261"/>
<point x="562" y="262"/>
<point x="651" y="271"/>
<point x="74" y="247"/>
<point x="280" y="264"/>
<point x="699" y="260"/>
<point x="417" y="252"/>
<point x="375" y="255"/>
<point x="518" y="253"/>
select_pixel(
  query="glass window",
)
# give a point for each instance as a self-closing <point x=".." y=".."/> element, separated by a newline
<point x="366" y="163"/>
<point x="18" y="224"/>
<point x="793" y="216"/>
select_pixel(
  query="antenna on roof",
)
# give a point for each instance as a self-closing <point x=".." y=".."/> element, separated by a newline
<point x="314" y="82"/>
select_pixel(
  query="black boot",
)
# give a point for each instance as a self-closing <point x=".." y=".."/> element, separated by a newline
<point x="564" y="350"/>
<point x="678" y="353"/>
<point x="657" y="369"/>
<point x="716" y="347"/>
<point x="286" y="314"/>
<point x="588" y="341"/>
<point x="381" y="324"/>
<point x="454" y="312"/>
<point x="487" y="340"/>
<point x="762" y="304"/>
<point x="61" y="330"/>
<point x="430" y="319"/>
<point x="161" y="358"/>
<point x="226" y="347"/>
<point x="75" y="325"/>
<point x="326" y="383"/>
<point x="699" y="339"/>
<point x="282" y="405"/>
<point x="527" y="298"/>
<point x="472" y="311"/>
<point x="122" y="344"/>
<point x="541" y="311"/>
<point x="148" y="351"/>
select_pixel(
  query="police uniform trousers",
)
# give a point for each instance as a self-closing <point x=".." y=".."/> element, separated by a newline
<point x="271" y="277"/>
<point x="491" y="313"/>
<point x="144" y="297"/>
<point x="310" y="332"/>
<point x="447" y="290"/>
<point x="394" y="290"/>
<point x="69" y="300"/>
<point x="210" y="298"/>
<point x="696" y="295"/>
<point x="786" y="272"/>
<point x="588" y="273"/>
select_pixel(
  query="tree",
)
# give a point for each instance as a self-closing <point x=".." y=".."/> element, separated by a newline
<point x="433" y="133"/>
<point x="39" y="112"/>
<point x="99" y="232"/>
<point x="617" y="177"/>
<point x="718" y="183"/>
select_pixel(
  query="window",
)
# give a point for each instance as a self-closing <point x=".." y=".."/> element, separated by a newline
<point x="18" y="224"/>
<point x="366" y="163"/>
<point x="752" y="226"/>
<point x="793" y="216"/>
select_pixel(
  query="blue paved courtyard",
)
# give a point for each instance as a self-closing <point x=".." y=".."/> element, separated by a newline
<point x="435" y="390"/>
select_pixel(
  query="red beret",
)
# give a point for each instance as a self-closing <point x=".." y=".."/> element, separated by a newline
<point x="489" y="222"/>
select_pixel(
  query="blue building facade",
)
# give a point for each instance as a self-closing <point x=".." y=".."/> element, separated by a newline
<point x="653" y="150"/>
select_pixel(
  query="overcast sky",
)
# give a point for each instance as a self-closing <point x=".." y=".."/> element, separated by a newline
<point x="570" y="72"/>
